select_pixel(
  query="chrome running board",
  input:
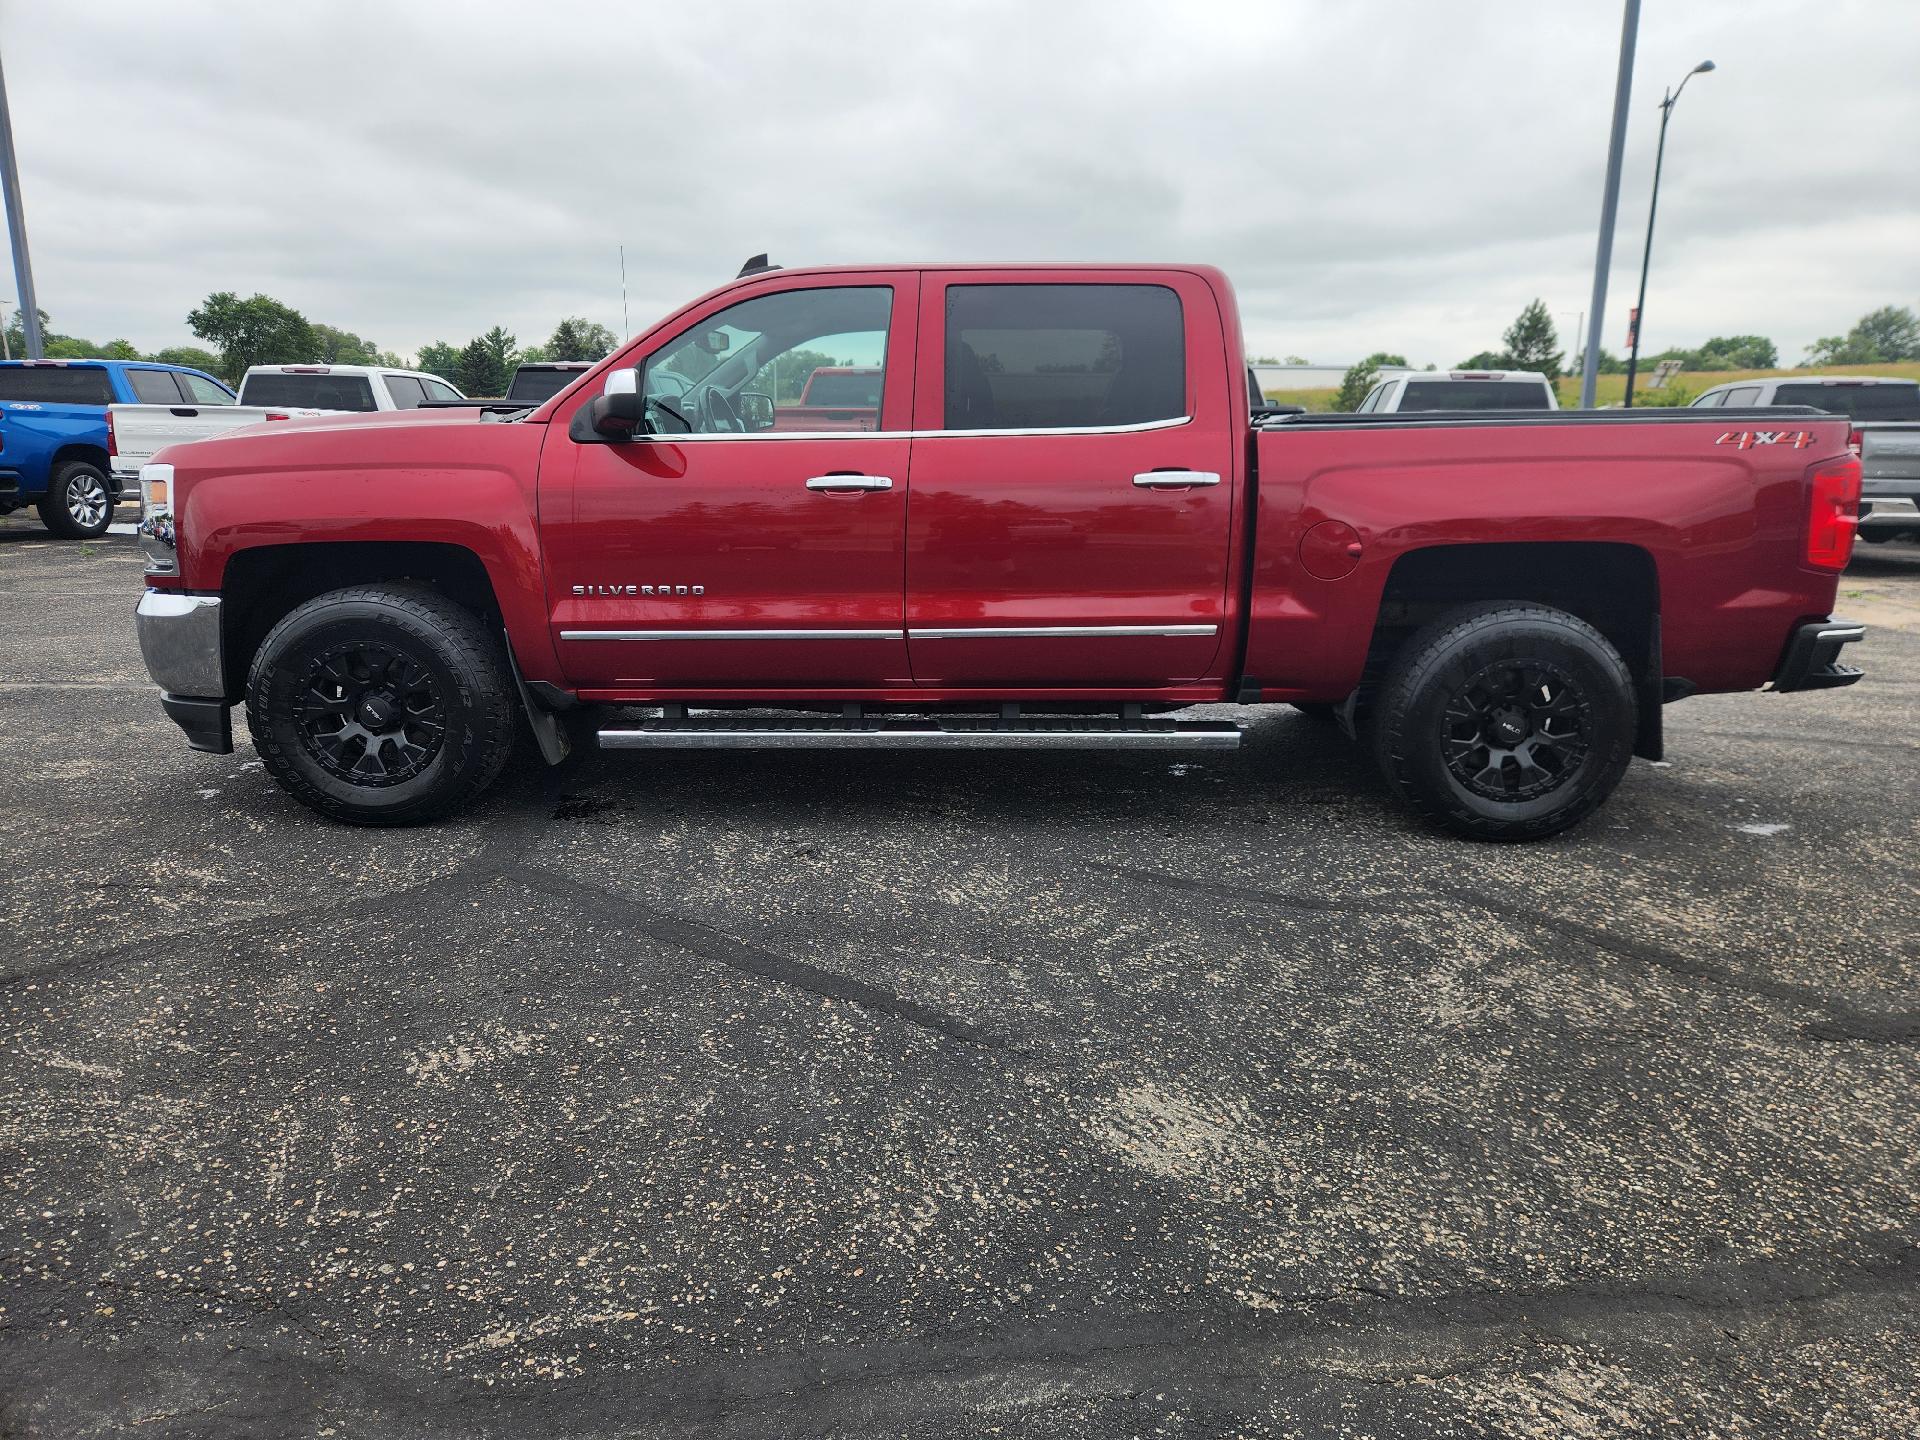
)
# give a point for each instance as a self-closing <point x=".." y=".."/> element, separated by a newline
<point x="730" y="733"/>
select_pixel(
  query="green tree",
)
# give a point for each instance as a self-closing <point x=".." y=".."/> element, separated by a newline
<point x="256" y="331"/>
<point x="343" y="347"/>
<point x="1736" y="352"/>
<point x="577" y="338"/>
<point x="1488" y="360"/>
<point x="479" y="372"/>
<point x="534" y="355"/>
<point x="440" y="359"/>
<point x="1533" y="343"/>
<point x="505" y="350"/>
<point x="17" y="332"/>
<point x="191" y="356"/>
<point x="1890" y="333"/>
<point x="1355" y="384"/>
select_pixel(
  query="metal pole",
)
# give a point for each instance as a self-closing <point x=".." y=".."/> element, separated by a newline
<point x="1646" y="255"/>
<point x="1610" y="201"/>
<point x="17" y="229"/>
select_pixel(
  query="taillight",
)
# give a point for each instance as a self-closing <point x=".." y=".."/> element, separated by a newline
<point x="1835" y="514"/>
<point x="113" y="443"/>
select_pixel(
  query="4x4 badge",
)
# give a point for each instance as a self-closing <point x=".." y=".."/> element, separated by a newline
<point x="1747" y="439"/>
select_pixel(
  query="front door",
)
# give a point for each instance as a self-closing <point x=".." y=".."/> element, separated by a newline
<point x="1074" y="477"/>
<point x="745" y="544"/>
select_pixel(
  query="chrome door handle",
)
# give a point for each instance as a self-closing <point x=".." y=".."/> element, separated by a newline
<point x="1174" y="479"/>
<point x="848" y="483"/>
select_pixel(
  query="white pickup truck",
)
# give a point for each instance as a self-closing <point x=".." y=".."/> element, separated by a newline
<point x="1463" y="390"/>
<point x="267" y="392"/>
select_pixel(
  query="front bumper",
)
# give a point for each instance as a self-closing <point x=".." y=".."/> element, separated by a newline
<point x="180" y="641"/>
<point x="1812" y="658"/>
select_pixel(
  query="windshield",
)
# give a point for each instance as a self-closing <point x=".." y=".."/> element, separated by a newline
<point x="1475" y="395"/>
<point x="1857" y="402"/>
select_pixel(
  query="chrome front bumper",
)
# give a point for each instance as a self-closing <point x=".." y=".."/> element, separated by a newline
<point x="180" y="640"/>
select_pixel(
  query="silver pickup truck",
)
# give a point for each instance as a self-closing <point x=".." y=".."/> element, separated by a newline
<point x="1886" y="437"/>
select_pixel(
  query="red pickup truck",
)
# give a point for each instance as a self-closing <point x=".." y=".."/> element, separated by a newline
<point x="1063" y="530"/>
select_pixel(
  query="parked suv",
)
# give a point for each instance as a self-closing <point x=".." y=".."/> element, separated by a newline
<point x="54" y="442"/>
<point x="1886" y="436"/>
<point x="1463" y="390"/>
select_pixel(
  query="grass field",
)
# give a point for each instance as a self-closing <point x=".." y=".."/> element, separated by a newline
<point x="1611" y="389"/>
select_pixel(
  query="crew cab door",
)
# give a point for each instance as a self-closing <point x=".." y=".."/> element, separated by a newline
<point x="740" y="547"/>
<point x="1074" y="472"/>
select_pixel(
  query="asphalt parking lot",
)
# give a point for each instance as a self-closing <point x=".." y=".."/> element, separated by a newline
<point x="927" y="1096"/>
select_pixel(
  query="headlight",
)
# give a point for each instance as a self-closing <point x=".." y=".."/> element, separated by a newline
<point x="156" y="520"/>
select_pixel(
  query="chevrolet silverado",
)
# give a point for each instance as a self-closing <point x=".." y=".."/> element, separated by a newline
<point x="1062" y="530"/>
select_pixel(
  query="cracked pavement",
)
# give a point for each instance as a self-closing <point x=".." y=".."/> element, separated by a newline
<point x="926" y="1095"/>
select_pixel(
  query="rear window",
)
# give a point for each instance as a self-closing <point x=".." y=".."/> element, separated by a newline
<point x="319" y="392"/>
<point x="1050" y="357"/>
<point x="57" y="384"/>
<point x="533" y="386"/>
<point x="1858" y="402"/>
<point x="857" y="388"/>
<point x="1474" y="395"/>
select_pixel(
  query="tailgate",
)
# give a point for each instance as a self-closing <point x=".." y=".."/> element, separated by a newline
<point x="1889" y="451"/>
<point x="140" y="430"/>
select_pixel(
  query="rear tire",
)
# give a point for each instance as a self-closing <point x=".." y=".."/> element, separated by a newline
<point x="382" y="704"/>
<point x="78" y="504"/>
<point x="1505" y="721"/>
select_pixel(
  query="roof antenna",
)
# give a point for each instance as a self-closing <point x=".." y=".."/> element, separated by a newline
<point x="755" y="265"/>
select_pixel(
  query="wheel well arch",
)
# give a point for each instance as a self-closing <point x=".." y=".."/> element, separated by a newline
<point x="1613" y="586"/>
<point x="92" y="454"/>
<point x="262" y="583"/>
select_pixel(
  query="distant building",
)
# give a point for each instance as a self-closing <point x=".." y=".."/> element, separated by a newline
<point x="1315" y="377"/>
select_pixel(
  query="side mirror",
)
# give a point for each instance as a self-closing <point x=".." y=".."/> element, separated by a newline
<point x="716" y="342"/>
<point x="756" y="410"/>
<point x="617" y="413"/>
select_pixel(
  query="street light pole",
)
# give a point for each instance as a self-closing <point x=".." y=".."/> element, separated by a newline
<point x="1653" y="206"/>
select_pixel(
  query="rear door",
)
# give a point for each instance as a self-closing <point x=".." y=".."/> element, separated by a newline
<point x="1074" y="476"/>
<point x="741" y="548"/>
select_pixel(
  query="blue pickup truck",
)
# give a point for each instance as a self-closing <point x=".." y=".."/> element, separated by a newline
<point x="53" y="432"/>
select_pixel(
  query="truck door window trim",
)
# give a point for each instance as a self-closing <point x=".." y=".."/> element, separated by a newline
<point x="764" y="435"/>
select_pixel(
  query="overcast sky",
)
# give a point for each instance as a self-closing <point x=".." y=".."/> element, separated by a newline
<point x="1373" y="175"/>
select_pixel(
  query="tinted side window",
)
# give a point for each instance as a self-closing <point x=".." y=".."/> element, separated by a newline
<point x="1742" y="395"/>
<point x="407" y="392"/>
<point x="440" y="390"/>
<point x="1711" y="401"/>
<point x="56" y="384"/>
<point x="154" y="387"/>
<point x="1051" y="357"/>
<point x="319" y="392"/>
<point x="203" y="391"/>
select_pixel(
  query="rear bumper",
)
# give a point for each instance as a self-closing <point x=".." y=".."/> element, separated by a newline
<point x="1890" y="512"/>
<point x="208" y="724"/>
<point x="1812" y="659"/>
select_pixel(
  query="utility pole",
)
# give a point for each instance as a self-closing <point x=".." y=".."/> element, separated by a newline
<point x="17" y="229"/>
<point x="1610" y="201"/>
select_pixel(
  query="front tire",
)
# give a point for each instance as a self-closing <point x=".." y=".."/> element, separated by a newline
<point x="1505" y="721"/>
<point x="381" y="705"/>
<point x="78" y="504"/>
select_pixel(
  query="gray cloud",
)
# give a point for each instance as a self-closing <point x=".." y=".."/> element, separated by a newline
<point x="1376" y="175"/>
